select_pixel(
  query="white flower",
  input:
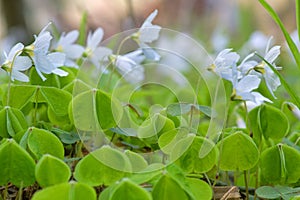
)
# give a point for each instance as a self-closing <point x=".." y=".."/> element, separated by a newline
<point x="149" y="52"/>
<point x="295" y="38"/>
<point x="295" y="110"/>
<point x="14" y="63"/>
<point x="246" y="67"/>
<point x="147" y="34"/>
<point x="57" y="59"/>
<point x="137" y="56"/>
<point x="129" y="67"/>
<point x="66" y="45"/>
<point x="44" y="61"/>
<point x="262" y="69"/>
<point x="224" y="63"/>
<point x="271" y="79"/>
<point x="243" y="88"/>
<point x="93" y="51"/>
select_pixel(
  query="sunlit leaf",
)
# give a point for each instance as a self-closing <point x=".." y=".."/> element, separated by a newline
<point x="151" y="172"/>
<point x="195" y="154"/>
<point x="137" y="161"/>
<point x="20" y="95"/>
<point x="12" y="121"/>
<point x="167" y="188"/>
<point x="94" y="110"/>
<point x="17" y="166"/>
<point x="268" y="121"/>
<point x="42" y="142"/>
<point x="152" y="128"/>
<point x="124" y="190"/>
<point x="97" y="167"/>
<point x="57" y="99"/>
<point x="280" y="164"/>
<point x="200" y="189"/>
<point x="63" y="191"/>
<point x="168" y="140"/>
<point x="238" y="152"/>
<point x="51" y="171"/>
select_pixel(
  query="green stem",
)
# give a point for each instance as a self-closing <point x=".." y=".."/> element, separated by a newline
<point x="8" y="90"/>
<point x="284" y="83"/>
<point x="246" y="184"/>
<point x="287" y="36"/>
<point x="235" y="177"/>
<point x="207" y="179"/>
<point x="114" y="62"/>
<point x="5" y="192"/>
<point x="298" y="17"/>
<point x="35" y="106"/>
<point x="257" y="183"/>
<point x="20" y="193"/>
<point x="194" y="104"/>
<point x="246" y="110"/>
<point x="227" y="178"/>
<point x="78" y="150"/>
<point x="191" y="117"/>
<point x="10" y="75"/>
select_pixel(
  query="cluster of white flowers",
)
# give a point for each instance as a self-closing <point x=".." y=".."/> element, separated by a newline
<point x="129" y="64"/>
<point x="48" y="59"/>
<point x="247" y="75"/>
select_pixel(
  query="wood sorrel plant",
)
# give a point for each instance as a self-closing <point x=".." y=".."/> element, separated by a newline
<point x="95" y="121"/>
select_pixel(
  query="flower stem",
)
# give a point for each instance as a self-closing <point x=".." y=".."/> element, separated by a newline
<point x="115" y="61"/>
<point x="10" y="76"/>
<point x="8" y="91"/>
<point x="246" y="184"/>
<point x="35" y="106"/>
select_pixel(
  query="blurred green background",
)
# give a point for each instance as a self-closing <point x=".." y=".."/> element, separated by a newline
<point x="201" y="18"/>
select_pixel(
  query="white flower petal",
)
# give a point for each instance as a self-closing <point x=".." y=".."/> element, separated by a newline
<point x="57" y="58"/>
<point x="150" y="18"/>
<point x="149" y="34"/>
<point x="272" y="54"/>
<point x="69" y="38"/>
<point x="294" y="109"/>
<point x="248" y="83"/>
<point x="42" y="42"/>
<point x="15" y="51"/>
<point x="130" y="70"/>
<point x="246" y="96"/>
<point x="95" y="38"/>
<point x="60" y="72"/>
<point x="135" y="75"/>
<point x="272" y="80"/>
<point x="22" y="63"/>
<point x="70" y="63"/>
<point x="45" y="28"/>
<point x="246" y="67"/>
<point x="150" y="53"/>
<point x="43" y="64"/>
<point x="102" y="52"/>
<point x="259" y="99"/>
<point x="124" y="64"/>
<point x="16" y="75"/>
<point x="137" y="56"/>
<point x="40" y="74"/>
<point x="74" y="51"/>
